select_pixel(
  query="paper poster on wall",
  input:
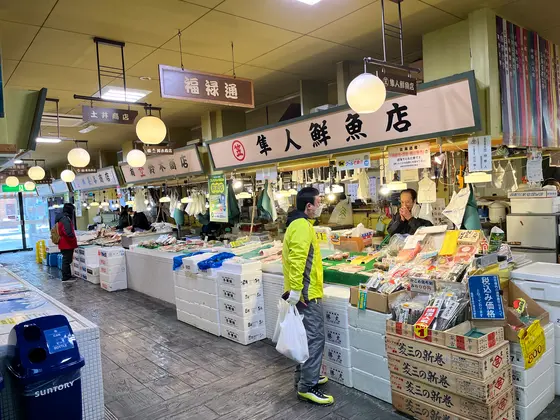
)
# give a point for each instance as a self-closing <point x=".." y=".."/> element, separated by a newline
<point x="217" y="189"/>
<point x="410" y="156"/>
<point x="534" y="166"/>
<point x="480" y="154"/>
<point x="356" y="161"/>
<point x="409" y="175"/>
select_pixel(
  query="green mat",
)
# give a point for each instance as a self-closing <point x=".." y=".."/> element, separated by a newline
<point x="347" y="279"/>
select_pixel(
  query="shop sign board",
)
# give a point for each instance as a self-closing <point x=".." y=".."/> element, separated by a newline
<point x="356" y="161"/>
<point x="217" y="189"/>
<point x="108" y="115"/>
<point x="480" y="153"/>
<point x="87" y="170"/>
<point x="445" y="107"/>
<point x="486" y="300"/>
<point x="59" y="187"/>
<point x="17" y="188"/>
<point x="43" y="190"/>
<point x="399" y="84"/>
<point x="103" y="178"/>
<point x="410" y="156"/>
<point x="158" y="150"/>
<point x="45" y="181"/>
<point x="185" y="161"/>
<point x="191" y="85"/>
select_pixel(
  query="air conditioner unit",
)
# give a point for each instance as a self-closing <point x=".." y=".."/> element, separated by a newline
<point x="65" y="120"/>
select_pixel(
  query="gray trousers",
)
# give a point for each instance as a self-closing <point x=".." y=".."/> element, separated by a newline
<point x="307" y="374"/>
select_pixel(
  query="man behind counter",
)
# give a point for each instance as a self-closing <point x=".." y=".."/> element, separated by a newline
<point x="405" y="222"/>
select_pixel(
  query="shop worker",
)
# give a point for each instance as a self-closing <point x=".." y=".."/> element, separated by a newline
<point x="67" y="242"/>
<point x="303" y="279"/>
<point x="406" y="221"/>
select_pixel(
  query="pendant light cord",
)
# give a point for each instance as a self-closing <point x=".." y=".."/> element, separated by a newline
<point x="233" y="60"/>
<point x="180" y="49"/>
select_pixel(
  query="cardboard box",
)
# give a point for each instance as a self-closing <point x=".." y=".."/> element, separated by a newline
<point x="473" y="410"/>
<point x="379" y="302"/>
<point x="478" y="390"/>
<point x="423" y="411"/>
<point x="480" y="366"/>
<point x="533" y="309"/>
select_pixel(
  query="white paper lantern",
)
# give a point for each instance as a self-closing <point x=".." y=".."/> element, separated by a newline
<point x="136" y="158"/>
<point x="78" y="157"/>
<point x="94" y="204"/>
<point x="67" y="175"/>
<point x="366" y="93"/>
<point x="165" y="199"/>
<point x="29" y="186"/>
<point x="12" y="181"/>
<point x="151" y="130"/>
<point x="36" y="173"/>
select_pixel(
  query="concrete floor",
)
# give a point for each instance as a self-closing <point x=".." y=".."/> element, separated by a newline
<point x="155" y="367"/>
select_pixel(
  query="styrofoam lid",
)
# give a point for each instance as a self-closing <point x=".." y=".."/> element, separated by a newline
<point x="539" y="271"/>
<point x="340" y="292"/>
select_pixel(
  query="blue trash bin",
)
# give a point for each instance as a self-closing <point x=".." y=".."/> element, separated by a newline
<point x="44" y="358"/>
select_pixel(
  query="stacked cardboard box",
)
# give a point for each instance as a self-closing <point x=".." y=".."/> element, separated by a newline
<point x="336" y="358"/>
<point x="241" y="301"/>
<point x="112" y="269"/>
<point x="86" y="263"/>
<point x="449" y="375"/>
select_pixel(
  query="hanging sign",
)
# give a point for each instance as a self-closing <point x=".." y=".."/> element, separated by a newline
<point x="409" y="175"/>
<point x="59" y="187"/>
<point x="410" y="156"/>
<point x="534" y="166"/>
<point x="399" y="84"/>
<point x="270" y="173"/>
<point x="43" y="190"/>
<point x="108" y="115"/>
<point x="360" y="160"/>
<point x="185" y="161"/>
<point x="44" y="181"/>
<point x="480" y="154"/>
<point x="486" y="300"/>
<point x="217" y="189"/>
<point x="205" y="87"/>
<point x="158" y="150"/>
<point x="88" y="170"/>
<point x="103" y="178"/>
<point x="445" y="107"/>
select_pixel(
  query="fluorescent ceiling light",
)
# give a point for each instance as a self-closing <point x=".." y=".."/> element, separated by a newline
<point x="115" y="93"/>
<point x="48" y="140"/>
<point x="88" y="128"/>
<point x="310" y="2"/>
<point x="18" y="162"/>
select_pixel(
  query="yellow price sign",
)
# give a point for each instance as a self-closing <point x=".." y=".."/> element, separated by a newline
<point x="533" y="343"/>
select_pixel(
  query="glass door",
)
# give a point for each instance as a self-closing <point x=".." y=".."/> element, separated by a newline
<point x="11" y="226"/>
<point x="36" y="216"/>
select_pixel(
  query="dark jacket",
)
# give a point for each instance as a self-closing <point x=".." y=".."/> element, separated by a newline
<point x="125" y="220"/>
<point x="140" y="221"/>
<point x="407" y="227"/>
<point x="66" y="228"/>
<point x="294" y="215"/>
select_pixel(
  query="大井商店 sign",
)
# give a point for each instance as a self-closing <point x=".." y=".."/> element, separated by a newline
<point x="441" y="108"/>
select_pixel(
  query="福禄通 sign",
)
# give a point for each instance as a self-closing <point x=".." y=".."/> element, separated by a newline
<point x="108" y="115"/>
<point x="185" y="161"/>
<point x="410" y="156"/>
<point x="399" y="84"/>
<point x="190" y="85"/>
<point x="158" y="150"/>
<point x="441" y="108"/>
<point x="103" y="178"/>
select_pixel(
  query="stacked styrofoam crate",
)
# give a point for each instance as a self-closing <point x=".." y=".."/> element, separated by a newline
<point x="112" y="269"/>
<point x="86" y="263"/>
<point x="534" y="387"/>
<point x="336" y="358"/>
<point x="370" y="372"/>
<point x="196" y="295"/>
<point x="273" y="288"/>
<point x="241" y="301"/>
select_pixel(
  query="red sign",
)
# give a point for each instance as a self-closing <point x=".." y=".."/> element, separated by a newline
<point x="238" y="150"/>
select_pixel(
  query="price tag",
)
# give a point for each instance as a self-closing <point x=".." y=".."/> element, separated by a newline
<point x="533" y="343"/>
<point x="362" y="299"/>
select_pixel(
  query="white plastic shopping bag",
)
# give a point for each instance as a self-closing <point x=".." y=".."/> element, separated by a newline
<point x="292" y="341"/>
<point x="283" y="307"/>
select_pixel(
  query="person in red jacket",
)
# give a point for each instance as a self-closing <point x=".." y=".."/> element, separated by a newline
<point x="68" y="242"/>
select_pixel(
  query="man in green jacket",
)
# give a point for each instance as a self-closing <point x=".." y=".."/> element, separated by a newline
<point x="303" y="279"/>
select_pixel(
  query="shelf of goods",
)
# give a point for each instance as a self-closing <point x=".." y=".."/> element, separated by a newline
<point x="112" y="269"/>
<point x="85" y="263"/>
<point x="38" y="304"/>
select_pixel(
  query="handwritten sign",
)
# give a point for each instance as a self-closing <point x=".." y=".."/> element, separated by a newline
<point x="480" y="153"/>
<point x="108" y="115"/>
<point x="533" y="343"/>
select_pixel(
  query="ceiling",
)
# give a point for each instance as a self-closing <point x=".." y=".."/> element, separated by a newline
<point x="48" y="43"/>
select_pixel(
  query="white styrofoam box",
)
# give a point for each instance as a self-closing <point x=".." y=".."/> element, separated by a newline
<point x="113" y="278"/>
<point x="89" y="250"/>
<point x="242" y="337"/>
<point x="92" y="270"/>
<point x="544" y="205"/>
<point x="186" y="317"/>
<point x="515" y="348"/>
<point x="194" y="296"/>
<point x="208" y="326"/>
<point x="250" y="279"/>
<point x="277" y="279"/>
<point x="370" y="363"/>
<point x="557" y="377"/>
<point x="553" y="309"/>
<point x="243" y="323"/>
<point x="522" y="377"/>
<point x="209" y="314"/>
<point x="191" y="263"/>
<point x="182" y="280"/>
<point x="241" y="266"/>
<point x="110" y="252"/>
<point x="336" y="315"/>
<point x="81" y="259"/>
<point x="83" y="275"/>
<point x="368" y="341"/>
<point x="206" y="284"/>
<point x="242" y="309"/>
<point x="538" y="272"/>
<point x="540" y="290"/>
<point x="337" y="373"/>
<point x="83" y="268"/>
<point x="112" y="286"/>
<point x="531" y="411"/>
<point x="112" y="261"/>
<point x="337" y="355"/>
<point x="185" y="306"/>
<point x="52" y="249"/>
<point x="112" y="269"/>
<point x="525" y="395"/>
<point x="372" y="385"/>
<point x="241" y="295"/>
<point x="336" y="295"/>
<point x="337" y="336"/>
<point x="92" y="278"/>
<point x="556" y="343"/>
<point x="368" y="320"/>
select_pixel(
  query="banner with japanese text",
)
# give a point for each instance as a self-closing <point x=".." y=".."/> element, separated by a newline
<point x="103" y="178"/>
<point x="217" y="190"/>
<point x="444" y="107"/>
<point x="185" y="161"/>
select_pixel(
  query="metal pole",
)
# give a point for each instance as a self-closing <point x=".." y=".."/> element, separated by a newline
<point x="98" y="68"/>
<point x="401" y="35"/>
<point x="383" y="29"/>
<point x="124" y="75"/>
